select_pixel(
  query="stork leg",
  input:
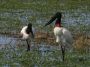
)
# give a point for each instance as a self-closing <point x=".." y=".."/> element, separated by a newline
<point x="28" y="46"/>
<point x="63" y="52"/>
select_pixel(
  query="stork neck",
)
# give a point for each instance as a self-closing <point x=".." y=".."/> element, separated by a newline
<point x="58" y="23"/>
<point x="28" y="30"/>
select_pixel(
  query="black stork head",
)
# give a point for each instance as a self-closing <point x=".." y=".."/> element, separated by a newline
<point x="29" y="25"/>
<point x="29" y="30"/>
<point x="58" y="16"/>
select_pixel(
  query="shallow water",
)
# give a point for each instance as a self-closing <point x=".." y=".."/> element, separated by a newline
<point x="68" y="17"/>
<point x="43" y="51"/>
<point x="7" y="40"/>
<point x="40" y="54"/>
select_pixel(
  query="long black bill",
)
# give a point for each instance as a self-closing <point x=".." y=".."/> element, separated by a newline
<point x="57" y="15"/>
<point x="51" y="20"/>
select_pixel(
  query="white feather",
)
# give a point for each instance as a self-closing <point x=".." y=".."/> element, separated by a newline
<point x="63" y="35"/>
<point x="58" y="33"/>
<point x="23" y="33"/>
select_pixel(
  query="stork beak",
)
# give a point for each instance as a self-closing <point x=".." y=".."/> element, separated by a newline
<point x="51" y="20"/>
<point x="57" y="15"/>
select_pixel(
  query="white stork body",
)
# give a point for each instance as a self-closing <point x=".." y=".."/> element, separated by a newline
<point x="24" y="34"/>
<point x="63" y="35"/>
<point x="63" y="38"/>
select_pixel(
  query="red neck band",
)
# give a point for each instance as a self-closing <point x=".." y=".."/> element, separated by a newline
<point x="58" y="23"/>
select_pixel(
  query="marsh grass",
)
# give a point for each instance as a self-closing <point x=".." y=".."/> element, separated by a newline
<point x="38" y="12"/>
<point x="21" y="58"/>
